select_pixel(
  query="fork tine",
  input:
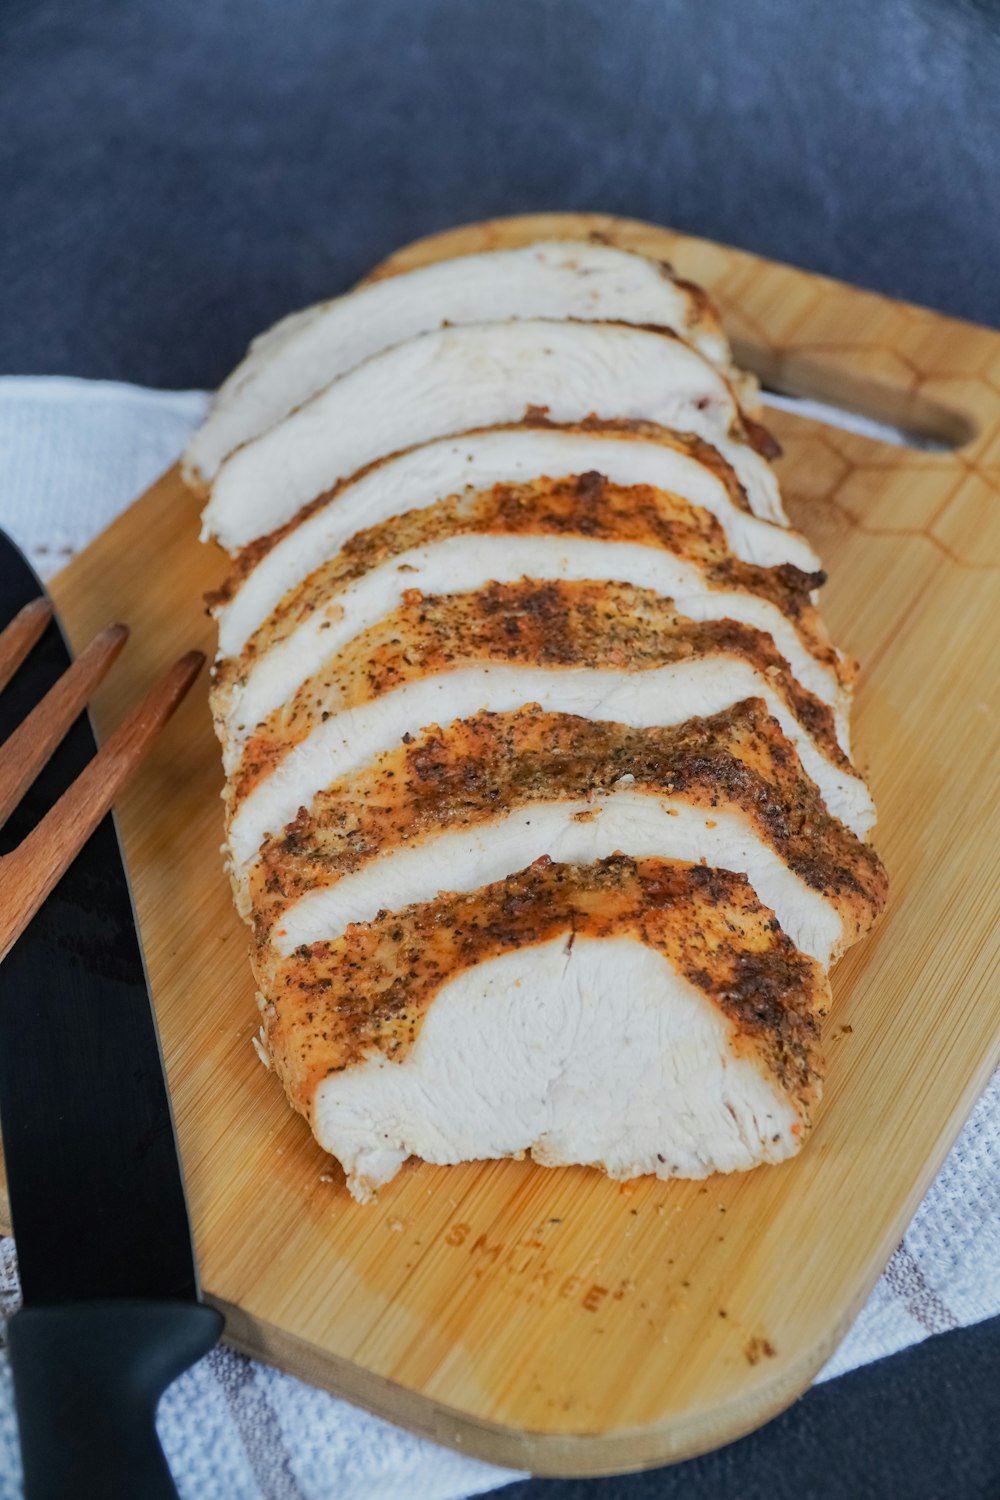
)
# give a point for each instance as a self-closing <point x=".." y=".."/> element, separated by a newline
<point x="20" y="635"/>
<point x="30" y="872"/>
<point x="26" y="751"/>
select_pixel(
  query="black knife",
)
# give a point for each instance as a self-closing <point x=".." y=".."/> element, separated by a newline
<point x="111" y="1311"/>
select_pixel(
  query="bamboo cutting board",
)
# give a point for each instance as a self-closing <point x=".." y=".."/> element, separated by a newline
<point x="554" y="1320"/>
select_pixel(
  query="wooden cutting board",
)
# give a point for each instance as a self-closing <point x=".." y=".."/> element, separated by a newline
<point x="554" y="1320"/>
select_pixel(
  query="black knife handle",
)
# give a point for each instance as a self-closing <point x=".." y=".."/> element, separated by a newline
<point x="87" y="1379"/>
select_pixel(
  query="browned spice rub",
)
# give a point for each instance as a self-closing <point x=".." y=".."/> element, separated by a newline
<point x="585" y="506"/>
<point x="478" y="769"/>
<point x="335" y="1002"/>
<point x="594" y="625"/>
<point x="624" y="430"/>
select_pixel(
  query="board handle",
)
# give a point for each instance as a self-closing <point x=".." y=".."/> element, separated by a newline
<point x="87" y="1380"/>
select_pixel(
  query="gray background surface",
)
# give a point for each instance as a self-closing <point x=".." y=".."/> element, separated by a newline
<point x="175" y="174"/>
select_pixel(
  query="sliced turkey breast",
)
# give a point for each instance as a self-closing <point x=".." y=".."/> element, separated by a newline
<point x="639" y="1016"/>
<point x="305" y="352"/>
<point x="574" y="529"/>
<point x="469" y="805"/>
<point x="480" y="375"/>
<point x="627" y="454"/>
<point x="539" y="797"/>
<point x="601" y="650"/>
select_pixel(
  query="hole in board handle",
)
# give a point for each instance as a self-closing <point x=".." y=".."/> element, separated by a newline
<point x="806" y="387"/>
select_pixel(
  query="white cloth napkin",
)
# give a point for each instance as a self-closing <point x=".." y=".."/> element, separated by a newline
<point x="72" y="455"/>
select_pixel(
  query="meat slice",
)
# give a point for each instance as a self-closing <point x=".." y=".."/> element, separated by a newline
<point x="539" y="797"/>
<point x="639" y="1016"/>
<point x="575" y="529"/>
<point x="305" y="352"/>
<point x="627" y="454"/>
<point x="480" y="375"/>
<point x="473" y="803"/>
<point x="601" y="650"/>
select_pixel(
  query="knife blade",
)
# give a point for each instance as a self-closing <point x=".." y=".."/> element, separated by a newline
<point x="112" y="1309"/>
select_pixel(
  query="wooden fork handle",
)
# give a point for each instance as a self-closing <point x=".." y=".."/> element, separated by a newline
<point x="29" y="872"/>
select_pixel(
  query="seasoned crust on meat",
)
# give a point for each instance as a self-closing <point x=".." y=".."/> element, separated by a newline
<point x="334" y="1003"/>
<point x="553" y="625"/>
<point x="623" y="430"/>
<point x="478" y="769"/>
<point x="584" y="506"/>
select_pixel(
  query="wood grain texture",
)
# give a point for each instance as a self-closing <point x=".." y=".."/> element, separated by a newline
<point x="552" y="1319"/>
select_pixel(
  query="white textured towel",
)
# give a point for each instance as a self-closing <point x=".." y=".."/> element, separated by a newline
<point x="72" y="455"/>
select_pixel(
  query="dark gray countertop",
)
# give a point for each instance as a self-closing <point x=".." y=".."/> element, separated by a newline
<point x="175" y="174"/>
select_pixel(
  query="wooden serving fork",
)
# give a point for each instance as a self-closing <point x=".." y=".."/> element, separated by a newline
<point x="87" y="1128"/>
<point x="29" y="872"/>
